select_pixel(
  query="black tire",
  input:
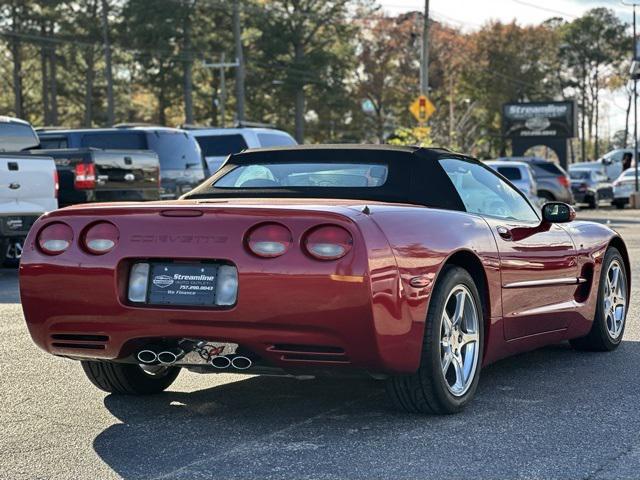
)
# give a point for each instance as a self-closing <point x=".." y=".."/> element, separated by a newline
<point x="599" y="339"/>
<point x="425" y="391"/>
<point x="593" y="202"/>
<point x="618" y="205"/>
<point x="127" y="379"/>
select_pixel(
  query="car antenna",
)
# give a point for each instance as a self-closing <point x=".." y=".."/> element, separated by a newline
<point x="366" y="210"/>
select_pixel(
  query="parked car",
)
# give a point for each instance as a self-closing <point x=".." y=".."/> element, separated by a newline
<point x="623" y="187"/>
<point x="590" y="186"/>
<point x="218" y="143"/>
<point x="94" y="175"/>
<point x="28" y="186"/>
<point x="520" y="174"/>
<point x="553" y="182"/>
<point x="181" y="164"/>
<point x="610" y="162"/>
<point x="415" y="266"/>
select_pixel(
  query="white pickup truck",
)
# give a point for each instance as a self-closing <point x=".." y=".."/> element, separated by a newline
<point x="28" y="186"/>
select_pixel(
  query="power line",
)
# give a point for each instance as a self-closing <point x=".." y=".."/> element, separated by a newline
<point x="545" y="9"/>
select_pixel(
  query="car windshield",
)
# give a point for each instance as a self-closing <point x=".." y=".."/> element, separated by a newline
<point x="579" y="174"/>
<point x="283" y="175"/>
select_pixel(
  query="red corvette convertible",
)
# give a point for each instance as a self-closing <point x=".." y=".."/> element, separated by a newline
<point x="414" y="266"/>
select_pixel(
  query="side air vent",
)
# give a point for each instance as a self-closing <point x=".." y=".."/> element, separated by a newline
<point x="79" y="341"/>
<point x="80" y="338"/>
<point x="309" y="353"/>
<point x="82" y="346"/>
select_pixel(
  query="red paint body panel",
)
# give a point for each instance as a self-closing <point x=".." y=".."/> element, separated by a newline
<point x="372" y="303"/>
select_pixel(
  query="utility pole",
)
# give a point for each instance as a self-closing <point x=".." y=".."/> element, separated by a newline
<point x="424" y="53"/>
<point x="237" y="37"/>
<point x="635" y="105"/>
<point x="108" y="72"/>
<point x="221" y="65"/>
<point x="635" y="74"/>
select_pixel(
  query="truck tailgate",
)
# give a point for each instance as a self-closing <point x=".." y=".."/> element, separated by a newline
<point x="28" y="182"/>
<point x="126" y="169"/>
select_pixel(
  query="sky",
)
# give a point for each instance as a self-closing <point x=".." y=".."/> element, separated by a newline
<point x="472" y="14"/>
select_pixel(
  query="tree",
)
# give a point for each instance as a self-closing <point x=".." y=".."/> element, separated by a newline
<point x="299" y="36"/>
<point x="592" y="49"/>
<point x="388" y="70"/>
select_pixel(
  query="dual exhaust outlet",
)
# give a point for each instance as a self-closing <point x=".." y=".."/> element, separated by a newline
<point x="172" y="355"/>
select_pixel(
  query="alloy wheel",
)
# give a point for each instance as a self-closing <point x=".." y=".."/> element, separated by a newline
<point x="615" y="299"/>
<point x="459" y="337"/>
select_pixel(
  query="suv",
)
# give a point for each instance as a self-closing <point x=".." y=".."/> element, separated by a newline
<point x="519" y="174"/>
<point x="218" y="143"/>
<point x="182" y="167"/>
<point x="553" y="182"/>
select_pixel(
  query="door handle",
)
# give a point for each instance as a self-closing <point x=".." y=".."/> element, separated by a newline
<point x="504" y="232"/>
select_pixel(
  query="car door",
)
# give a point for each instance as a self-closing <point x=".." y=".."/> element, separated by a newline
<point x="539" y="272"/>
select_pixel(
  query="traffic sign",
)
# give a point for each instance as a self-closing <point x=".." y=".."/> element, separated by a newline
<point x="422" y="108"/>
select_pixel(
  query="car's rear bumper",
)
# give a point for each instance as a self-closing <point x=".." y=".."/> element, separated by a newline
<point x="314" y="314"/>
<point x="75" y="304"/>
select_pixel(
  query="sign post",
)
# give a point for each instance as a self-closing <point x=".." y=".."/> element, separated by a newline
<point x="540" y="123"/>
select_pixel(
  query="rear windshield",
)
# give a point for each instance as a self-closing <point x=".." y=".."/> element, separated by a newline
<point x="115" y="140"/>
<point x="53" y="143"/>
<point x="275" y="140"/>
<point x="221" y="145"/>
<point x="283" y="175"/>
<point x="15" y="137"/>
<point x="512" y="173"/>
<point x="176" y="150"/>
<point x="549" y="168"/>
<point x="579" y="174"/>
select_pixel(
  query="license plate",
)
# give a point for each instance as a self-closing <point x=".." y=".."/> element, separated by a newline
<point x="182" y="284"/>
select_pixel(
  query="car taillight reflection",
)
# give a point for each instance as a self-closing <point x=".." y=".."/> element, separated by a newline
<point x="269" y="240"/>
<point x="100" y="238"/>
<point x="328" y="242"/>
<point x="55" y="238"/>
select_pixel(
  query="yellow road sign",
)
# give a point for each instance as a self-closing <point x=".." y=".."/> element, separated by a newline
<point x="422" y="108"/>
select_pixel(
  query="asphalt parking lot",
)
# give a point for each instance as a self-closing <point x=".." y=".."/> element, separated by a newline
<point x="553" y="413"/>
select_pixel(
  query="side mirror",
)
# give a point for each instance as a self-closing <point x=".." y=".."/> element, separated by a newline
<point x="558" y="212"/>
<point x="606" y="161"/>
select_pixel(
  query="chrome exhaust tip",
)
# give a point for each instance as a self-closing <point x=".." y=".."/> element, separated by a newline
<point x="147" y="356"/>
<point x="169" y="357"/>
<point x="241" y="363"/>
<point x="220" y="362"/>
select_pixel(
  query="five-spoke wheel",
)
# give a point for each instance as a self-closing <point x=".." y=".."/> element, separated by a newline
<point x="611" y="307"/>
<point x="459" y="340"/>
<point x="615" y="299"/>
<point x="452" y="349"/>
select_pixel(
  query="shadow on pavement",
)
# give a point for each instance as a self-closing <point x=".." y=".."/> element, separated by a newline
<point x="553" y="413"/>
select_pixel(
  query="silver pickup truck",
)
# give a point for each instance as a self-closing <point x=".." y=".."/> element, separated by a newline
<point x="28" y="187"/>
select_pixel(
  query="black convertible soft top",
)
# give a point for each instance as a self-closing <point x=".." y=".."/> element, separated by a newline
<point x="414" y="174"/>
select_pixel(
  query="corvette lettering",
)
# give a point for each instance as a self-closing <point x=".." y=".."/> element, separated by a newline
<point x="192" y="239"/>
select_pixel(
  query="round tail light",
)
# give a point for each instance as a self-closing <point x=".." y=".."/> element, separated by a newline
<point x="100" y="238"/>
<point x="55" y="238"/>
<point x="328" y="242"/>
<point x="269" y="240"/>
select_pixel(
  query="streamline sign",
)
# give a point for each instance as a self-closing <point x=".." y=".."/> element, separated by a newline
<point x="539" y="119"/>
